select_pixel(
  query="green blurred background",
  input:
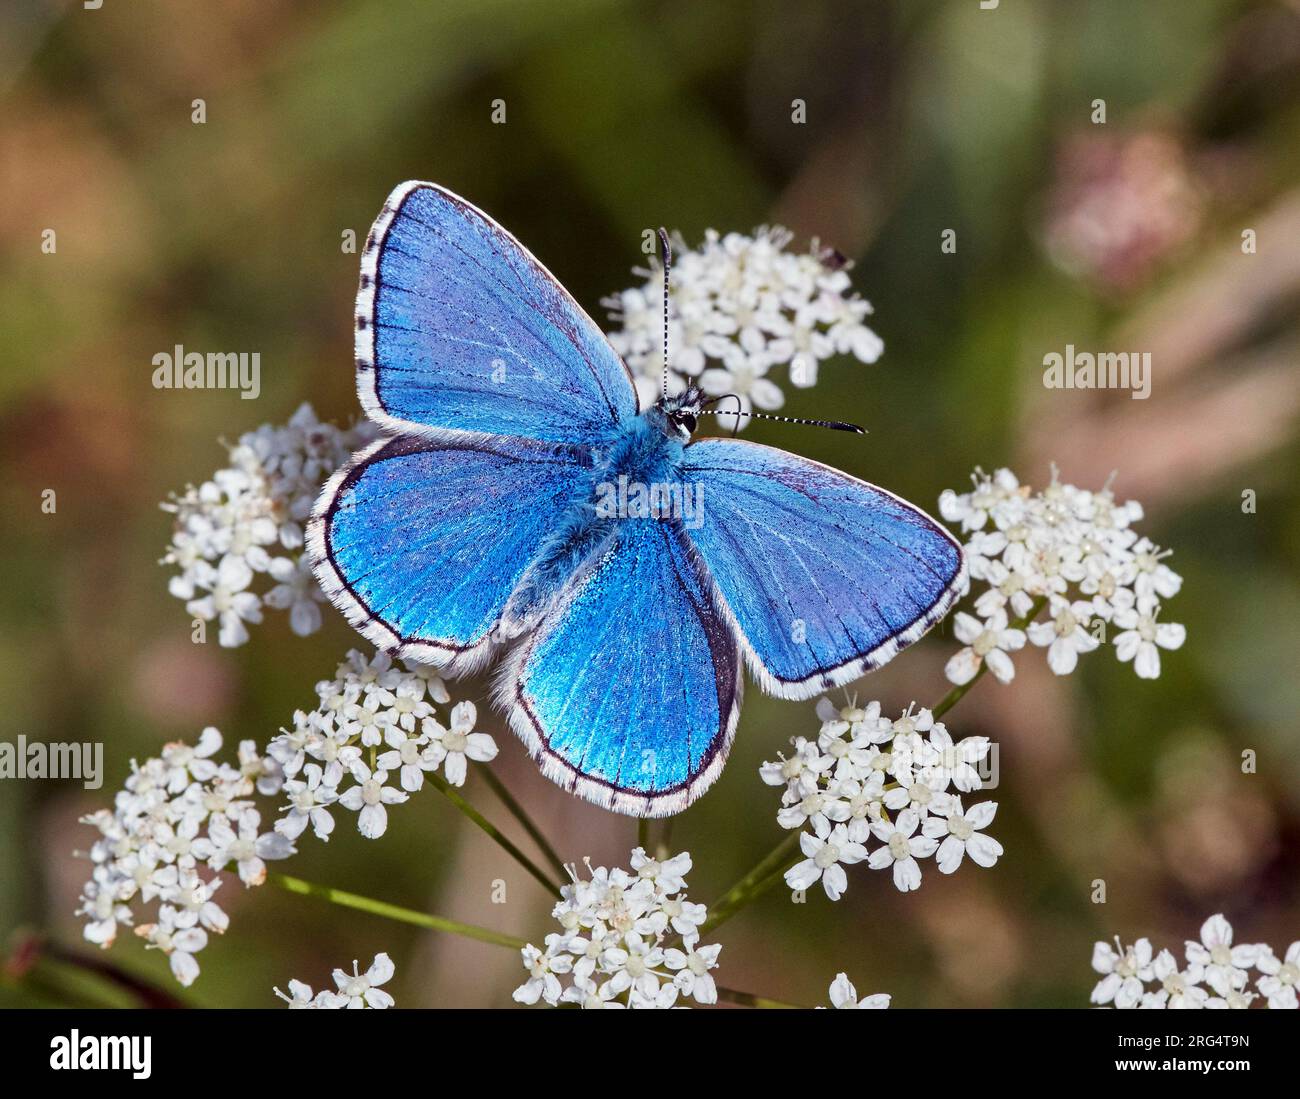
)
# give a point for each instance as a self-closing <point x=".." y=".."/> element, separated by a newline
<point x="921" y="117"/>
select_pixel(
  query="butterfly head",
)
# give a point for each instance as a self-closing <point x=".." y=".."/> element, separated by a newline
<point x="681" y="411"/>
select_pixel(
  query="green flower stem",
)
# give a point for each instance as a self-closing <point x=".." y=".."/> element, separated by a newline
<point x="663" y="850"/>
<point x="752" y="884"/>
<point x="393" y="911"/>
<point x="487" y="826"/>
<point x="957" y="693"/>
<point x="655" y="837"/>
<point x="776" y="874"/>
<point x="521" y="815"/>
<point x="748" y="999"/>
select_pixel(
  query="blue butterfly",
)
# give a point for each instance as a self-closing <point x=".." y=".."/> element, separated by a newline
<point x="478" y="523"/>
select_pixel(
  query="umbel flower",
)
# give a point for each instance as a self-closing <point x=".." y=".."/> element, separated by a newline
<point x="1215" y="973"/>
<point x="896" y="784"/>
<point x="1062" y="569"/>
<point x="237" y="539"/>
<point x="185" y="816"/>
<point x="180" y="819"/>
<point x="371" y="703"/>
<point x="742" y="307"/>
<point x="626" y="939"/>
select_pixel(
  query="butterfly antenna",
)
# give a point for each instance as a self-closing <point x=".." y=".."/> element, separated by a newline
<point x="834" y="425"/>
<point x="740" y="410"/>
<point x="668" y="263"/>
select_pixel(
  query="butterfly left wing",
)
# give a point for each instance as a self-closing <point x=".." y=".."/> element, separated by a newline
<point x="628" y="691"/>
<point x="420" y="542"/>
<point x="824" y="577"/>
<point x="460" y="328"/>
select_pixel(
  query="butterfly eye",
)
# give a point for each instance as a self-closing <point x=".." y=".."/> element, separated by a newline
<point x="687" y="421"/>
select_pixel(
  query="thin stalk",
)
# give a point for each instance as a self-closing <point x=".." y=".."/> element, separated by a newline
<point x="747" y="889"/>
<point x="776" y="874"/>
<point x="748" y="999"/>
<point x="491" y="829"/>
<point x="394" y="911"/>
<point x="663" y="850"/>
<point x="521" y="815"/>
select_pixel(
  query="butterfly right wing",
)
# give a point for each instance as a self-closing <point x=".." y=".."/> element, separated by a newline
<point x="420" y="542"/>
<point x="823" y="576"/>
<point x="460" y="328"/>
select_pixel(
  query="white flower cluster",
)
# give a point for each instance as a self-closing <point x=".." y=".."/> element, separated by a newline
<point x="369" y="743"/>
<point x="1214" y="973"/>
<point x="626" y="940"/>
<point x="353" y="990"/>
<point x="739" y="306"/>
<point x="180" y="819"/>
<point x="1076" y="551"/>
<point x="184" y="817"/>
<point x="247" y="522"/>
<point x="868" y="778"/>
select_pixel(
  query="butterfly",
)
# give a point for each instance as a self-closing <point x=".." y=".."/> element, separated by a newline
<point x="492" y="518"/>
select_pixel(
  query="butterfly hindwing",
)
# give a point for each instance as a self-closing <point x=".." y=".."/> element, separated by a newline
<point x="420" y="541"/>
<point x="460" y="328"/>
<point x="628" y="691"/>
<point x="824" y="576"/>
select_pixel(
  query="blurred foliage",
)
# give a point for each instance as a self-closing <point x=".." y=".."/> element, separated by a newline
<point x="921" y="117"/>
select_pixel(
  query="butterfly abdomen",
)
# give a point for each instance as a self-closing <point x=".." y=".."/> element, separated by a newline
<point x="579" y="536"/>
